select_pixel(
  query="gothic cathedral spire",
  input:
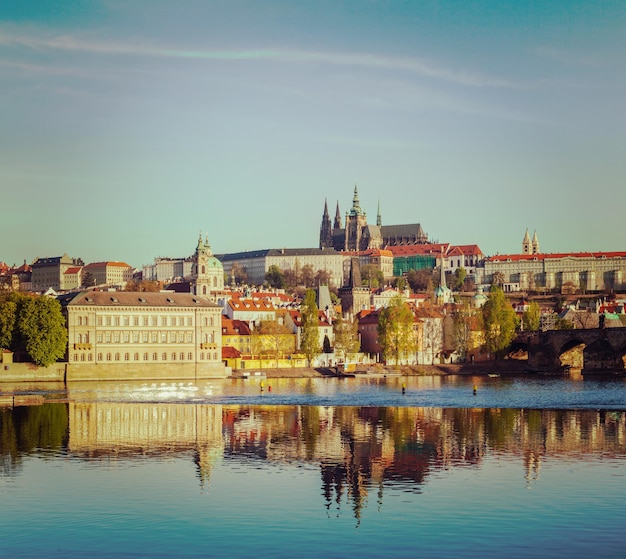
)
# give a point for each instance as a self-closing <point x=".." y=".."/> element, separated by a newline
<point x="326" y="234"/>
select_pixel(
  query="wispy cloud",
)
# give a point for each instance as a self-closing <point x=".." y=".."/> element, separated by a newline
<point x="411" y="65"/>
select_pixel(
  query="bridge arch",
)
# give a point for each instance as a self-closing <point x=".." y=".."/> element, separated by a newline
<point x="572" y="353"/>
<point x="600" y="354"/>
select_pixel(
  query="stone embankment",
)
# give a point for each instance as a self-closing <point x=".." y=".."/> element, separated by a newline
<point x="506" y="366"/>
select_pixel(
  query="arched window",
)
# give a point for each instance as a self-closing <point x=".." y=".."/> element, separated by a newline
<point x="214" y="281"/>
<point x="204" y="290"/>
<point x="203" y="269"/>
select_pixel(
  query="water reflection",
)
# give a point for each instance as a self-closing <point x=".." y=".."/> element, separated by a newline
<point x="359" y="450"/>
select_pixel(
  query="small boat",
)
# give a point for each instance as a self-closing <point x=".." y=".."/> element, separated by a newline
<point x="494" y="375"/>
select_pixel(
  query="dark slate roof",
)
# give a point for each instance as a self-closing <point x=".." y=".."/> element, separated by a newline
<point x="138" y="299"/>
<point x="276" y="252"/>
<point x="408" y="230"/>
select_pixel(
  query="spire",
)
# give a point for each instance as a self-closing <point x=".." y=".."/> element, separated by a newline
<point x="326" y="234"/>
<point x="355" y="273"/>
<point x="535" y="243"/>
<point x="526" y="243"/>
<point x="379" y="220"/>
<point x="356" y="206"/>
<point x="337" y="224"/>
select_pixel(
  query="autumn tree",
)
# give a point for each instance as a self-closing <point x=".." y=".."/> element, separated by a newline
<point x="239" y="273"/>
<point x="273" y="338"/>
<point x="499" y="321"/>
<point x="143" y="285"/>
<point x="396" y="335"/>
<point x="309" y="319"/>
<point x="322" y="277"/>
<point x="420" y="280"/>
<point x="307" y="276"/>
<point x="346" y="338"/>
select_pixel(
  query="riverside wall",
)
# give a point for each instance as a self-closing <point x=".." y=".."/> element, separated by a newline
<point x="63" y="372"/>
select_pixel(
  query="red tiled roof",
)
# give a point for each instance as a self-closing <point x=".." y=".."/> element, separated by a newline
<point x="230" y="352"/>
<point x="554" y="256"/>
<point x="234" y="327"/>
<point x="73" y="270"/>
<point x="250" y="305"/>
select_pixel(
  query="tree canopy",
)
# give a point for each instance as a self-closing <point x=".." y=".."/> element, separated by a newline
<point x="275" y="277"/>
<point x="346" y="338"/>
<point x="309" y="335"/>
<point x="34" y="325"/>
<point x="531" y="319"/>
<point x="499" y="321"/>
<point x="396" y="335"/>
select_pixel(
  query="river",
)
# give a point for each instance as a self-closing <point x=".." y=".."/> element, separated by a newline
<point x="444" y="466"/>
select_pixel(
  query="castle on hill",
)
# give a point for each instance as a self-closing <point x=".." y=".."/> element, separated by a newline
<point x="359" y="235"/>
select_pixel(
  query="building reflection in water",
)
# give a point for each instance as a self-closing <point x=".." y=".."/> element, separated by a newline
<point x="359" y="450"/>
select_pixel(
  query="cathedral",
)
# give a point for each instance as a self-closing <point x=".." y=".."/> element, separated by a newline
<point x="356" y="234"/>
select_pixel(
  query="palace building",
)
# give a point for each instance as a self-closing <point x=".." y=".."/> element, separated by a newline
<point x="124" y="335"/>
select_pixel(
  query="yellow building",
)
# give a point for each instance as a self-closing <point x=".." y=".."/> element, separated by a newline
<point x="139" y="335"/>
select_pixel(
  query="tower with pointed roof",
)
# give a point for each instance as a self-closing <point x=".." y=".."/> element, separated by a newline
<point x="443" y="294"/>
<point x="358" y="235"/>
<point x="208" y="271"/>
<point x="356" y="221"/>
<point x="526" y="246"/>
<point x="326" y="231"/>
<point x="535" y="244"/>
<point x="354" y="297"/>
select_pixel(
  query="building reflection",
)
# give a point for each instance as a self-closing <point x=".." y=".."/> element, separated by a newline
<point x="361" y="451"/>
<point x="133" y="430"/>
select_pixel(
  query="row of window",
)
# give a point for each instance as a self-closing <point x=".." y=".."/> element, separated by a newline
<point x="144" y="337"/>
<point x="144" y="320"/>
<point x="146" y="356"/>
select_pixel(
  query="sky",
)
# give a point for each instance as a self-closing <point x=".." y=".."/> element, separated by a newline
<point x="128" y="128"/>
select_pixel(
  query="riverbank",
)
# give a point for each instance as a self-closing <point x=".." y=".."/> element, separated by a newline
<point x="506" y="366"/>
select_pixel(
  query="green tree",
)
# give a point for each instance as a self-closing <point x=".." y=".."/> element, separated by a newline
<point x="459" y="277"/>
<point x="371" y="276"/>
<point x="309" y="336"/>
<point x="531" y="319"/>
<point x="396" y="335"/>
<point x="8" y="320"/>
<point x="499" y="321"/>
<point x="326" y="347"/>
<point x="401" y="283"/>
<point x="275" y="277"/>
<point x="42" y="329"/>
<point x="346" y="338"/>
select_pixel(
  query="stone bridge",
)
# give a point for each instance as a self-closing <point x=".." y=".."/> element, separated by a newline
<point x="591" y="350"/>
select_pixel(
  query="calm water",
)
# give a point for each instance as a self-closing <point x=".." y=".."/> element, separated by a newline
<point x="526" y="467"/>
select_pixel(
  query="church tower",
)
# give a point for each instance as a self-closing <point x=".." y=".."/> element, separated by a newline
<point x="208" y="272"/>
<point x="379" y="220"/>
<point x="535" y="245"/>
<point x="354" y="297"/>
<point x="526" y="247"/>
<point x="356" y="221"/>
<point x="326" y="232"/>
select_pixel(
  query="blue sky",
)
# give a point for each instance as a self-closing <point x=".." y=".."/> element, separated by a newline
<point x="126" y="128"/>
